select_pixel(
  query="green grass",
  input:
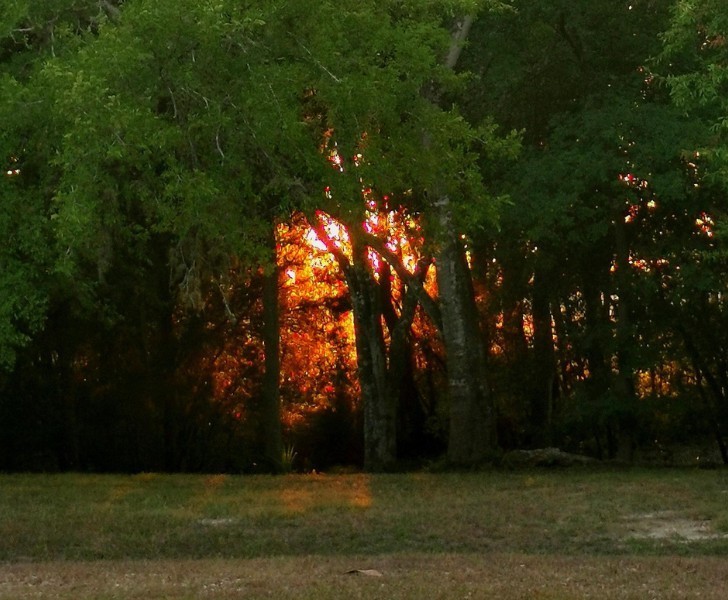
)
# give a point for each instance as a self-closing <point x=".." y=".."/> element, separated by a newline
<point x="67" y="523"/>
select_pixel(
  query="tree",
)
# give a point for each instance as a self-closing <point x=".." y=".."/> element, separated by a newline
<point x="151" y="142"/>
<point x="596" y="127"/>
<point x="433" y="150"/>
<point x="154" y="159"/>
<point x="693" y="67"/>
<point x="28" y="34"/>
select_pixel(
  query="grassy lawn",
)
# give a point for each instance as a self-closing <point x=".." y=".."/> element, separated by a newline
<point x="537" y="534"/>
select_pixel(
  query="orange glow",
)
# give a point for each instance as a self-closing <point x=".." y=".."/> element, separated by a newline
<point x="353" y="492"/>
<point x="318" y="358"/>
<point x="705" y="224"/>
<point x="659" y="382"/>
<point x="335" y="230"/>
<point x="524" y="324"/>
<point x="13" y="171"/>
<point x="318" y="366"/>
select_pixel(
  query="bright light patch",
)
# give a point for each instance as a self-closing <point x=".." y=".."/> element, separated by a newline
<point x="705" y="224"/>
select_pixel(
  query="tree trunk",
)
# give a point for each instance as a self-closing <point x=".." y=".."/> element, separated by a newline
<point x="596" y="324"/>
<point x="513" y="286"/>
<point x="717" y="400"/>
<point x="544" y="363"/>
<point x="270" y="397"/>
<point x="624" y="385"/>
<point x="378" y="399"/>
<point x="378" y="382"/>
<point x="472" y="415"/>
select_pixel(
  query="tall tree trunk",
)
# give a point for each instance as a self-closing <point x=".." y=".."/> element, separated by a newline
<point x="270" y="398"/>
<point x="544" y="363"/>
<point x="472" y="415"/>
<point x="379" y="383"/>
<point x="715" y="383"/>
<point x="513" y="286"/>
<point x="379" y="403"/>
<point x="596" y="324"/>
<point x="624" y="385"/>
<point x="401" y="374"/>
<point x="411" y="411"/>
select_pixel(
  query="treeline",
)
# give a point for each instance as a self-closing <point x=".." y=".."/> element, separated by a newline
<point x="518" y="211"/>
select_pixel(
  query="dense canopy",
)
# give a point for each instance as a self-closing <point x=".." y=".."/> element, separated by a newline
<point x="266" y="236"/>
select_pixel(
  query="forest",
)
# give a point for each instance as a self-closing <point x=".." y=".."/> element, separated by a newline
<point x="263" y="236"/>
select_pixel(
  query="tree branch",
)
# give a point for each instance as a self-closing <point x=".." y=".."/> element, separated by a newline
<point x="112" y="12"/>
<point x="318" y="62"/>
<point x="317" y="225"/>
<point x="414" y="281"/>
<point x="459" y="35"/>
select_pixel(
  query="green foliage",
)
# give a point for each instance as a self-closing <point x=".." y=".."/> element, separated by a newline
<point x="25" y="254"/>
<point x="156" y="146"/>
<point x="23" y="277"/>
<point x="693" y="66"/>
<point x="24" y="301"/>
<point x="176" y="124"/>
<point x="195" y="123"/>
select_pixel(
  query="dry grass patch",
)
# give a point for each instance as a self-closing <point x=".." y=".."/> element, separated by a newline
<point x="502" y="576"/>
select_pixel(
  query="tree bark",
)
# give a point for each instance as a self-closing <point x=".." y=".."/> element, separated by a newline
<point x="596" y="323"/>
<point x="544" y="363"/>
<point x="472" y="437"/>
<point x="378" y="381"/>
<point x="624" y="385"/>
<point x="379" y="401"/>
<point x="270" y="397"/>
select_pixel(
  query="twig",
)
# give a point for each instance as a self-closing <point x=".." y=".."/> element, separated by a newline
<point x="318" y="62"/>
<point x="231" y="316"/>
<point x="174" y="102"/>
<point x="217" y="144"/>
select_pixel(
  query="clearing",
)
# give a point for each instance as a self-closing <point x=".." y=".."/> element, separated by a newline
<point x="573" y="533"/>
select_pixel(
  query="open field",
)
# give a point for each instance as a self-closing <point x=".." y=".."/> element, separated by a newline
<point x="537" y="534"/>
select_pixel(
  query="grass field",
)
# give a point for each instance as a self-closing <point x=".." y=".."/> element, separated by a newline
<point x="537" y="534"/>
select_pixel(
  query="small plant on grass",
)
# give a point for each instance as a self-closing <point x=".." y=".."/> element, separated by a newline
<point x="287" y="459"/>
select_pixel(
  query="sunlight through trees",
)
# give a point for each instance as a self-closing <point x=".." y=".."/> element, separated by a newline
<point x="279" y="236"/>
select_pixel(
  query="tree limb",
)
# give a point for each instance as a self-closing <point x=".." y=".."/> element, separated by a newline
<point x="317" y="225"/>
<point x="414" y="281"/>
<point x="112" y="12"/>
<point x="459" y="35"/>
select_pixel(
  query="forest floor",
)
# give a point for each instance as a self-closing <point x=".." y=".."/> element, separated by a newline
<point x="565" y="533"/>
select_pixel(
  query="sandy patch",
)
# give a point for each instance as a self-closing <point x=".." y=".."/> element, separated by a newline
<point x="671" y="525"/>
<point x="219" y="522"/>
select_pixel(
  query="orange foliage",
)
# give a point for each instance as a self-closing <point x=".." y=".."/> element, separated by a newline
<point x="318" y="359"/>
<point x="317" y="329"/>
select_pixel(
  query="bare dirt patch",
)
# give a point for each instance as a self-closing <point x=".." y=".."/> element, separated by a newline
<point x="217" y="522"/>
<point x="671" y="525"/>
